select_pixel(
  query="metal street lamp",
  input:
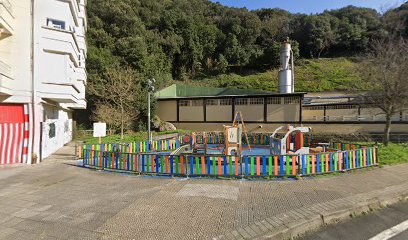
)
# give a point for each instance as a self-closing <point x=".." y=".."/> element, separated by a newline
<point x="150" y="89"/>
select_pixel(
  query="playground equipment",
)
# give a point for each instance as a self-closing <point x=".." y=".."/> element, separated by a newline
<point x="185" y="149"/>
<point x="233" y="136"/>
<point x="291" y="143"/>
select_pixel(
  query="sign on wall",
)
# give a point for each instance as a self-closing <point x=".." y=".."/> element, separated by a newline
<point x="99" y="129"/>
<point x="233" y="135"/>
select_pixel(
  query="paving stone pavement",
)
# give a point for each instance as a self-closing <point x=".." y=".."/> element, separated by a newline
<point x="58" y="200"/>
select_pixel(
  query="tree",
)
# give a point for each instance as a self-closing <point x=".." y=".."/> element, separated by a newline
<point x="385" y="71"/>
<point x="117" y="95"/>
<point x="319" y="34"/>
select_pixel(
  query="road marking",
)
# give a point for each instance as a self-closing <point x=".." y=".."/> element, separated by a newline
<point x="391" y="232"/>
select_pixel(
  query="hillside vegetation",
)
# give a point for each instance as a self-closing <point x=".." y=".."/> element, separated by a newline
<point x="324" y="74"/>
<point x="206" y="43"/>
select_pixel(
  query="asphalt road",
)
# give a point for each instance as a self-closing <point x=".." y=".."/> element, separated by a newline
<point x="366" y="226"/>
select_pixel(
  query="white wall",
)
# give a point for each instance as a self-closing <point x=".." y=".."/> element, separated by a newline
<point x="15" y="52"/>
<point x="54" y="58"/>
<point x="59" y="53"/>
<point x="61" y="121"/>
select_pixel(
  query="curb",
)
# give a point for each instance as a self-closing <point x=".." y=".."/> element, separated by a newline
<point x="297" y="222"/>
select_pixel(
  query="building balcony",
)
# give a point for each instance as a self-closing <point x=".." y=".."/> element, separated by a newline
<point x="61" y="41"/>
<point x="5" y="69"/>
<point x="81" y="74"/>
<point x="60" y="92"/>
<point x="6" y="80"/>
<point x="81" y="104"/>
<point x="6" y="19"/>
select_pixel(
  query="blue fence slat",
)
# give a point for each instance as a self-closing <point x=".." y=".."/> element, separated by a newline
<point x="264" y="165"/>
<point x="331" y="162"/>
<point x="191" y="165"/>
<point x="246" y="166"/>
<point x="318" y="169"/>
<point x="225" y="165"/>
<point x="209" y="166"/>
<point x="281" y="165"/>
<point x="157" y="163"/>
<point x="346" y="155"/>
<point x="143" y="163"/>
<point x="172" y="165"/>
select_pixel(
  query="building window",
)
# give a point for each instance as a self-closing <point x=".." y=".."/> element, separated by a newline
<point x="256" y="101"/>
<point x="314" y="108"/>
<point x="225" y="102"/>
<point x="184" y="103"/>
<point x="241" y="101"/>
<point x="51" y="131"/>
<point x="212" y="102"/>
<point x="292" y="100"/>
<point x="197" y="103"/>
<point x="342" y="107"/>
<point x="275" y="100"/>
<point x="55" y="23"/>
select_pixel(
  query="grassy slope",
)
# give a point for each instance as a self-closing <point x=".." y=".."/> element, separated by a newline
<point x="393" y="154"/>
<point x="310" y="76"/>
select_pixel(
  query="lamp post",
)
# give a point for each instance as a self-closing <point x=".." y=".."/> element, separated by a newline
<point x="150" y="90"/>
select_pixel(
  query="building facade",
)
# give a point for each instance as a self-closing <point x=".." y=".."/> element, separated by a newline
<point x="42" y="76"/>
<point x="208" y="109"/>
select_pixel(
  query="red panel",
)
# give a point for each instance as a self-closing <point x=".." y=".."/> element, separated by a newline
<point x="11" y="133"/>
<point x="10" y="113"/>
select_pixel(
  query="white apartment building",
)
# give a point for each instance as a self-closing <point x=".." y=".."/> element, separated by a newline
<point x="42" y="76"/>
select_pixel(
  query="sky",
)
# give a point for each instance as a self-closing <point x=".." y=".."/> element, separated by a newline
<point x="311" y="6"/>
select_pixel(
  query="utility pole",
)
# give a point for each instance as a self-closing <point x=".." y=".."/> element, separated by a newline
<point x="150" y="90"/>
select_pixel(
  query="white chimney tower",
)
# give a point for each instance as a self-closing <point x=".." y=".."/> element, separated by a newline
<point x="286" y="71"/>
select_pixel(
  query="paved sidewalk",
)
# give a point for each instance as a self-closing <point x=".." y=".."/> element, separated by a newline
<point x="57" y="200"/>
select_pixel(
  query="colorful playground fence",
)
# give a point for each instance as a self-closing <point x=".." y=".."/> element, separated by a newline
<point x="171" y="144"/>
<point x="132" y="147"/>
<point x="346" y="146"/>
<point x="231" y="166"/>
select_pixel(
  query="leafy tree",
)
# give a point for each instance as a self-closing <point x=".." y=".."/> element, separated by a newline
<point x="396" y="20"/>
<point x="319" y="35"/>
<point x="118" y="92"/>
<point x="385" y="70"/>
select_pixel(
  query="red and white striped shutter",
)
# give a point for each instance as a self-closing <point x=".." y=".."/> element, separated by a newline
<point x="12" y="133"/>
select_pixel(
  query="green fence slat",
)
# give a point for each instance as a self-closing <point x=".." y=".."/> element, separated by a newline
<point x="197" y="166"/>
<point x="335" y="158"/>
<point x="361" y="157"/>
<point x="322" y="163"/>
<point x="230" y="166"/>
<point x="270" y="165"/>
<point x="288" y="170"/>
<point x="252" y="166"/>
<point x="214" y="162"/>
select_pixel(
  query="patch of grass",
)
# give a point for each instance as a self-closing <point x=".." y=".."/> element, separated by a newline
<point x="129" y="137"/>
<point x="393" y="153"/>
<point x="136" y="137"/>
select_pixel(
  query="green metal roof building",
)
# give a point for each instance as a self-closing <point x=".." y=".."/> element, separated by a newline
<point x="208" y="108"/>
<point x="184" y="91"/>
